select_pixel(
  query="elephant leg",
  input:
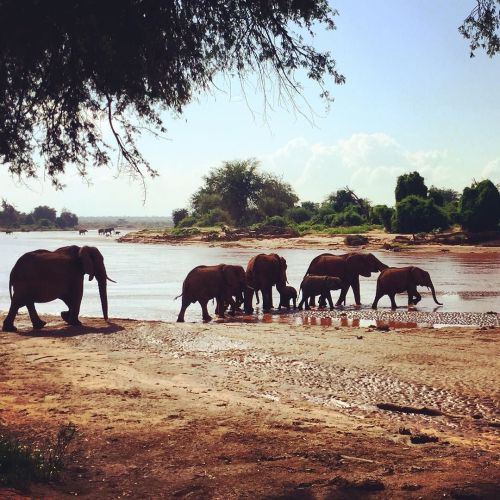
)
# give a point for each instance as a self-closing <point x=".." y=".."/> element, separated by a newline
<point x="418" y="297"/>
<point x="342" y="296"/>
<point x="267" y="301"/>
<point x="308" y="301"/>
<point x="329" y="298"/>
<point x="8" y="322"/>
<point x="312" y="301"/>
<point x="35" y="319"/>
<point x="204" y="310"/>
<point x="378" y="296"/>
<point x="248" y="299"/>
<point x="302" y="300"/>
<point x="355" y="289"/>
<point x="294" y="302"/>
<point x="321" y="301"/>
<point x="71" y="315"/>
<point x="184" y="306"/>
<point x="392" y="296"/>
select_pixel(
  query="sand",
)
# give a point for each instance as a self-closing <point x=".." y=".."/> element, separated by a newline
<point x="236" y="410"/>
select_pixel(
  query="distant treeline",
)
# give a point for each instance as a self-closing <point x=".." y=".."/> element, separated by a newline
<point x="42" y="217"/>
<point x="136" y="222"/>
<point x="239" y="194"/>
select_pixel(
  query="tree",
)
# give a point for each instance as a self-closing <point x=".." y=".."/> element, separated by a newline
<point x="410" y="184"/>
<point x="480" y="207"/>
<point x="44" y="212"/>
<point x="9" y="216"/>
<point x="275" y="196"/>
<point x="482" y="26"/>
<point x="343" y="198"/>
<point x="442" y="197"/>
<point x="67" y="219"/>
<point x="414" y="215"/>
<point x="69" y="66"/>
<point x="298" y="214"/>
<point x="178" y="215"/>
<point x="382" y="214"/>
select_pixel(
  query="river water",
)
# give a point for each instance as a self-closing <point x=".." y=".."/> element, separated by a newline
<point x="150" y="276"/>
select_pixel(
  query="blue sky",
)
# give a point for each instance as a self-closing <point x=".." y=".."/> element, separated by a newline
<point x="413" y="100"/>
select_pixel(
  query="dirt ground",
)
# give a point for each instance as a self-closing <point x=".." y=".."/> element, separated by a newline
<point x="235" y="410"/>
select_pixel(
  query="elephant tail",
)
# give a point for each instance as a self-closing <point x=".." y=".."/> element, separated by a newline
<point x="175" y="298"/>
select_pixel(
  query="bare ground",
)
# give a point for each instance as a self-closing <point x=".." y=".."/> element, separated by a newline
<point x="232" y="410"/>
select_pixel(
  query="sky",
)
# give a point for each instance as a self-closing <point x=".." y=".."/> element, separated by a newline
<point x="413" y="100"/>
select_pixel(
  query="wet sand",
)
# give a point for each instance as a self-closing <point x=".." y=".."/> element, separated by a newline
<point x="261" y="410"/>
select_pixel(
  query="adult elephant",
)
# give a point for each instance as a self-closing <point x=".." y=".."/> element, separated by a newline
<point x="263" y="272"/>
<point x="43" y="276"/>
<point x="203" y="283"/>
<point x="395" y="280"/>
<point x="348" y="267"/>
<point x="82" y="231"/>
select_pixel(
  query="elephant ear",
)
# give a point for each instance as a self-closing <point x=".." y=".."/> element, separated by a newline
<point x="418" y="275"/>
<point x="85" y="255"/>
<point x="358" y="263"/>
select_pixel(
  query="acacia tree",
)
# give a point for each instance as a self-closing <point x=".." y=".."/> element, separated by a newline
<point x="481" y="27"/>
<point x="67" y="66"/>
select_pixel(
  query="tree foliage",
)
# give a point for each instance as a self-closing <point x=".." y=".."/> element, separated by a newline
<point x="179" y="214"/>
<point x="414" y="214"/>
<point x="70" y="66"/>
<point x="482" y="27"/>
<point x="480" y="207"/>
<point x="410" y="184"/>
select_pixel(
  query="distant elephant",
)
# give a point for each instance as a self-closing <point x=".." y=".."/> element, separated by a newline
<point x="348" y="267"/>
<point x="8" y="231"/>
<point x="117" y="232"/>
<point x="263" y="272"/>
<point x="287" y="294"/>
<point x="203" y="283"/>
<point x="101" y="232"/>
<point x="318" y="285"/>
<point x="109" y="231"/>
<point x="395" y="280"/>
<point x="43" y="276"/>
<point x="82" y="231"/>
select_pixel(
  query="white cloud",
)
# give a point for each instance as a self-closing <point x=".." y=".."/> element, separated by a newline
<point x="368" y="163"/>
<point x="492" y="171"/>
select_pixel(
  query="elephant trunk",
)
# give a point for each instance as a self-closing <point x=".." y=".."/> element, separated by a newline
<point x="434" y="295"/>
<point x="101" y="281"/>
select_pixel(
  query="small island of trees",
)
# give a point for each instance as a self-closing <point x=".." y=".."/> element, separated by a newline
<point x="239" y="194"/>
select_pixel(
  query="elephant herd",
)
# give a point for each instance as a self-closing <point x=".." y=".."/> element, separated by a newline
<point x="232" y="286"/>
<point x="43" y="276"/>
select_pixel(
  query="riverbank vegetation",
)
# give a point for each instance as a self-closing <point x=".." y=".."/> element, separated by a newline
<point x="238" y="194"/>
<point x="41" y="218"/>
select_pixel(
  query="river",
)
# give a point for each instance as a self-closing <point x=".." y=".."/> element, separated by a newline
<point x="150" y="276"/>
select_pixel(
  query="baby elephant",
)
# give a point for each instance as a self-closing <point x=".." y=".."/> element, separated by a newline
<point x="287" y="294"/>
<point x="318" y="285"/>
<point x="395" y="280"/>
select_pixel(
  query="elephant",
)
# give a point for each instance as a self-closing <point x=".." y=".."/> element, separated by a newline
<point x="263" y="272"/>
<point x="287" y="294"/>
<point x="43" y="276"/>
<point x="82" y="231"/>
<point x="348" y="267"/>
<point x="395" y="280"/>
<point x="101" y="232"/>
<point x="203" y="283"/>
<point x="319" y="285"/>
<point x="8" y="231"/>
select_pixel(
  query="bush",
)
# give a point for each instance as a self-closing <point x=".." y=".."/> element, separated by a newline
<point x="184" y="232"/>
<point x="382" y="214"/>
<point x="480" y="207"/>
<point x="215" y="216"/>
<point x="274" y="221"/>
<point x="411" y="184"/>
<point x="21" y="464"/>
<point x="298" y="214"/>
<point x="349" y="217"/>
<point x="187" y="221"/>
<point x="415" y="214"/>
<point x="44" y="223"/>
<point x="178" y="215"/>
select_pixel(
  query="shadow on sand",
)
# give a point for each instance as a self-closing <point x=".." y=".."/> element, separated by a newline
<point x="58" y="331"/>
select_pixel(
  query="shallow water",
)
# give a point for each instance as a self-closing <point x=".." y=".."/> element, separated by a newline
<point x="150" y="276"/>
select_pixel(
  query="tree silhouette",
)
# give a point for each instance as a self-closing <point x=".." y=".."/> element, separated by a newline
<point x="69" y="67"/>
<point x="481" y="27"/>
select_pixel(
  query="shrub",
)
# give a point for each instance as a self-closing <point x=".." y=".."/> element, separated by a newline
<point x="184" y="232"/>
<point x="349" y="217"/>
<point x="382" y="214"/>
<point x="411" y="184"/>
<point x="187" y="221"/>
<point x="274" y="221"/>
<point x="178" y="215"/>
<point x="298" y="214"/>
<point x="414" y="214"/>
<point x="480" y="207"/>
<point x="215" y="216"/>
<point x="21" y="464"/>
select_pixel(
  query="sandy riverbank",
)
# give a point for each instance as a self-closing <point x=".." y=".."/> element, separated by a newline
<point x="232" y="410"/>
<point x="377" y="240"/>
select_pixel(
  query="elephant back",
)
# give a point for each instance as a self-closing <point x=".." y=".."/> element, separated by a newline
<point x="327" y="264"/>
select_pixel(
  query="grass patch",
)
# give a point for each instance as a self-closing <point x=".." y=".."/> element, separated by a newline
<point x="22" y="464"/>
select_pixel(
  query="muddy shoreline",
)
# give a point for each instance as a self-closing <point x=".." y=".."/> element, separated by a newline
<point x="238" y="410"/>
